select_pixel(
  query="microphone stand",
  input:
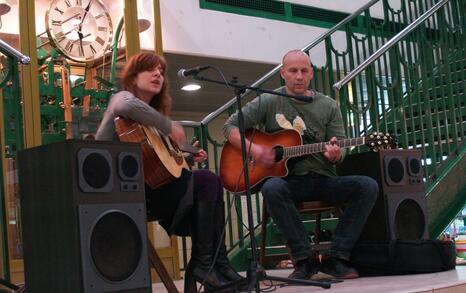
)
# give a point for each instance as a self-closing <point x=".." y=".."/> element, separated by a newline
<point x="256" y="272"/>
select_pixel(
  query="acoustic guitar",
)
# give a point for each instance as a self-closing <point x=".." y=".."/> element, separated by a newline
<point x="163" y="159"/>
<point x="287" y="144"/>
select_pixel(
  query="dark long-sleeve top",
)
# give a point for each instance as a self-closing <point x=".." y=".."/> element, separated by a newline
<point x="317" y="122"/>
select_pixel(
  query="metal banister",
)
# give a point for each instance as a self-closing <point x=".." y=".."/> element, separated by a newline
<point x="23" y="59"/>
<point x="350" y="76"/>
<point x="311" y="45"/>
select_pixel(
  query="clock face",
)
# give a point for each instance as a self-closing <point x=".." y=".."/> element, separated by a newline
<point x="81" y="29"/>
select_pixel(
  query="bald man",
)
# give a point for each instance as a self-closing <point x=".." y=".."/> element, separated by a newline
<point x="311" y="177"/>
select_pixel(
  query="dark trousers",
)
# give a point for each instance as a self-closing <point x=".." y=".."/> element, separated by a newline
<point x="357" y="193"/>
<point x="162" y="203"/>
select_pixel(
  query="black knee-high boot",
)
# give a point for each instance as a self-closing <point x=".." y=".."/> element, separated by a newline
<point x="222" y="264"/>
<point x="200" y="268"/>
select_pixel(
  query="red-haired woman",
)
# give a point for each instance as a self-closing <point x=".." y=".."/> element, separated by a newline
<point x="192" y="204"/>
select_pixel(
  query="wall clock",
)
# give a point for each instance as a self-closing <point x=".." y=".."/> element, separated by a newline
<point x="80" y="29"/>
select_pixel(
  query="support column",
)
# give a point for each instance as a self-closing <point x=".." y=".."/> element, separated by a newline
<point x="30" y="83"/>
<point x="131" y="28"/>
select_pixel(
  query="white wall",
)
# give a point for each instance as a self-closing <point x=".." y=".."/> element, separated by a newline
<point x="191" y="30"/>
<point x="187" y="29"/>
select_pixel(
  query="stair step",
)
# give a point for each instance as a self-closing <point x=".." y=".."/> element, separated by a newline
<point x="440" y="91"/>
<point x="436" y="139"/>
<point x="279" y="249"/>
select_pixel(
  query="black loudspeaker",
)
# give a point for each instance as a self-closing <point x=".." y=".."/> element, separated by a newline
<point x="400" y="209"/>
<point x="84" y="217"/>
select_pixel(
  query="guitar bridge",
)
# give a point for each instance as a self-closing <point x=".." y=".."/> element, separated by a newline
<point x="177" y="156"/>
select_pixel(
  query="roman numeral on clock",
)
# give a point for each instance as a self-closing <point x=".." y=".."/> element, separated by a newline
<point x="69" y="46"/>
<point x="92" y="49"/>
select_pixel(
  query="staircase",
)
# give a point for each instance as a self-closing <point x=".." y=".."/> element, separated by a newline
<point x="415" y="90"/>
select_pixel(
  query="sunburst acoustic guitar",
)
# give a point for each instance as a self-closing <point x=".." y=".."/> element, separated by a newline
<point x="287" y="144"/>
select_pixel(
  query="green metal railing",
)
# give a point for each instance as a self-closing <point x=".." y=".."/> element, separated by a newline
<point x="419" y="81"/>
<point x="12" y="131"/>
<point x="415" y="89"/>
<point x="404" y="74"/>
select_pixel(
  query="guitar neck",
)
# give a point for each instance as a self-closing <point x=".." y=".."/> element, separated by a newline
<point x="306" y="149"/>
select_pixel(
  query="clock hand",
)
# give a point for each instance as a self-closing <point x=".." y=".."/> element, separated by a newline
<point x="80" y="26"/>
<point x="60" y="37"/>
<point x="69" y="18"/>
<point x="86" y="10"/>
<point x="81" y="37"/>
<point x="63" y="36"/>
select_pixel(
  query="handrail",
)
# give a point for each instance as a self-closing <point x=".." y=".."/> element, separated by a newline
<point x="190" y="123"/>
<point x="24" y="59"/>
<point x="350" y="76"/>
<point x="311" y="45"/>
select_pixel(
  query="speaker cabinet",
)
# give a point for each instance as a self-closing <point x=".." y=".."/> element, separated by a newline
<point x="400" y="209"/>
<point x="84" y="217"/>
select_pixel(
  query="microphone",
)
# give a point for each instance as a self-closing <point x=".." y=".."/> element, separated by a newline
<point x="191" y="71"/>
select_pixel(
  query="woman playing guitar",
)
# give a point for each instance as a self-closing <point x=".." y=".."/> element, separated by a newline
<point x="188" y="202"/>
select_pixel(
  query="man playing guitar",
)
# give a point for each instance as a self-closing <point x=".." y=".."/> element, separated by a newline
<point x="311" y="176"/>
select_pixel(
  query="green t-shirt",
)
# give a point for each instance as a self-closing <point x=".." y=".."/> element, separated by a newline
<point x="318" y="121"/>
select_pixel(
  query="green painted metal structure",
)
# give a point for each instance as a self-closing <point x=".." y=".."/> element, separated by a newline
<point x="416" y="90"/>
<point x="12" y="134"/>
<point x="52" y="110"/>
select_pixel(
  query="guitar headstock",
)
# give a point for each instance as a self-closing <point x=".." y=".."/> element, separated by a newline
<point x="379" y="140"/>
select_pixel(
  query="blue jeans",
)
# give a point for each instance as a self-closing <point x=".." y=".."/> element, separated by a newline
<point x="356" y="193"/>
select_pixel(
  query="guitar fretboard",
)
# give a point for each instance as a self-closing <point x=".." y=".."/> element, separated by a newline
<point x="306" y="149"/>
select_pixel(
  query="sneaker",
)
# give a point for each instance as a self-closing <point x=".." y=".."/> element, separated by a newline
<point x="304" y="269"/>
<point x="338" y="268"/>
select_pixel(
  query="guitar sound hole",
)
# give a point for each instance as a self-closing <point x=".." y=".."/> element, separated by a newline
<point x="278" y="154"/>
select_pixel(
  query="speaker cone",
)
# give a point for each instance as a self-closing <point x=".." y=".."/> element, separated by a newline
<point x="128" y="166"/>
<point x="95" y="170"/>
<point x="409" y="220"/>
<point x="414" y="166"/>
<point x="394" y="170"/>
<point x="115" y="246"/>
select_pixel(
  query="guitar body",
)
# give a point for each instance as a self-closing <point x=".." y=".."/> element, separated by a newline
<point x="231" y="162"/>
<point x="163" y="161"/>
<point x="288" y="144"/>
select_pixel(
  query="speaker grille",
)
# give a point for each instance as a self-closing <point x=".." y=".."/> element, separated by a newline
<point x="93" y="165"/>
<point x="128" y="166"/>
<point x="395" y="170"/>
<point x="95" y="170"/>
<point x="414" y="166"/>
<point x="409" y="220"/>
<point x="116" y="246"/>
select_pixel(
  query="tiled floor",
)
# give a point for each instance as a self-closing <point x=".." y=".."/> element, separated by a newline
<point x="453" y="281"/>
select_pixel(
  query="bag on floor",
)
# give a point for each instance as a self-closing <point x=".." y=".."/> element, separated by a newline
<point x="397" y="257"/>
